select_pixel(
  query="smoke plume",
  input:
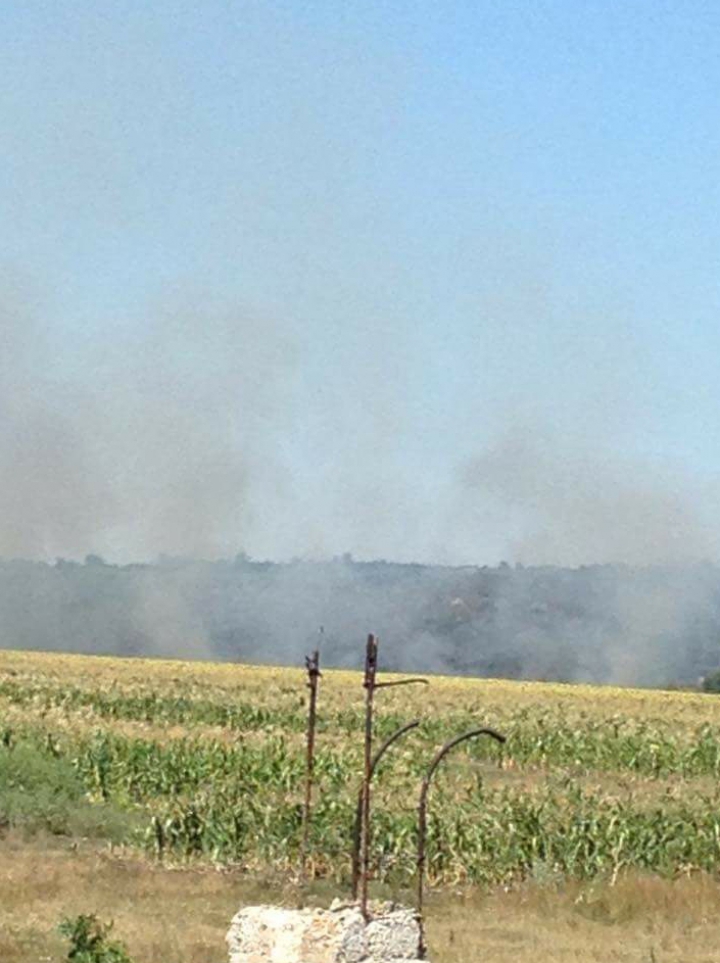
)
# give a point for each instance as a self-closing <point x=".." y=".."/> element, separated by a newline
<point x="169" y="437"/>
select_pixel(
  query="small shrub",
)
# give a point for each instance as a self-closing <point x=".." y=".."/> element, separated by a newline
<point x="89" y="941"/>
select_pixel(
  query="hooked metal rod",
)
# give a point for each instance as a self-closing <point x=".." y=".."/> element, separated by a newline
<point x="387" y="685"/>
<point x="422" y="814"/>
<point x="358" y="813"/>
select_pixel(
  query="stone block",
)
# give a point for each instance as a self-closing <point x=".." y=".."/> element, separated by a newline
<point x="274" y="934"/>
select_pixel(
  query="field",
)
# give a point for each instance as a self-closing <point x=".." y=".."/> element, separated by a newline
<point x="165" y="794"/>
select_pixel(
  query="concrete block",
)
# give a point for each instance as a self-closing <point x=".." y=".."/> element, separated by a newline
<point x="274" y="934"/>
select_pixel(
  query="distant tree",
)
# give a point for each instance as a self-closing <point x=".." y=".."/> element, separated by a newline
<point x="711" y="682"/>
<point x="96" y="560"/>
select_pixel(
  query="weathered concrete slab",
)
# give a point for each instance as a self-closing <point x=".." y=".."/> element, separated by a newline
<point x="273" y="934"/>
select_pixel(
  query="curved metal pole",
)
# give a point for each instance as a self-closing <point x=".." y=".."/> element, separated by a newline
<point x="413" y="681"/>
<point x="358" y="813"/>
<point x="422" y="814"/>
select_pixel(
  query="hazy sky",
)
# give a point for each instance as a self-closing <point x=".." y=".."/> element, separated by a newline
<point x="414" y="280"/>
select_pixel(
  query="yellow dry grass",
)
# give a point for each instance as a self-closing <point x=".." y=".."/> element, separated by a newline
<point x="181" y="915"/>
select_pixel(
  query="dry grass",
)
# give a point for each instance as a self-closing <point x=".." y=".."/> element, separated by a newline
<point x="181" y="915"/>
<point x="639" y="920"/>
<point x="161" y="914"/>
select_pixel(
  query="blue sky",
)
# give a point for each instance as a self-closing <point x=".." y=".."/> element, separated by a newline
<point x="384" y="259"/>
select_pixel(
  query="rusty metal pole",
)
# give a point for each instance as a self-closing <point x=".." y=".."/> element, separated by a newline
<point x="371" y="655"/>
<point x="361" y="863"/>
<point x="312" y="665"/>
<point x="359" y="811"/>
<point x="422" y="816"/>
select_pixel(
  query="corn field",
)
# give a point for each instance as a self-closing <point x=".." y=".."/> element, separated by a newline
<point x="207" y="763"/>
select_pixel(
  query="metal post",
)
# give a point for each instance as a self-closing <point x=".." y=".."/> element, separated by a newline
<point x="361" y="849"/>
<point x="422" y="816"/>
<point x="369" y="685"/>
<point x="312" y="664"/>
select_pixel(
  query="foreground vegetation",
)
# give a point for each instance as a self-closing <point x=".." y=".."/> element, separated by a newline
<point x="188" y="766"/>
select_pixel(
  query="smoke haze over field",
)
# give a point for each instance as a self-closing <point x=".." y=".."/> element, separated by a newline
<point x="429" y="286"/>
<point x="194" y="434"/>
<point x="574" y="504"/>
<point x="647" y="626"/>
<point x="158" y="442"/>
<point x="183" y="442"/>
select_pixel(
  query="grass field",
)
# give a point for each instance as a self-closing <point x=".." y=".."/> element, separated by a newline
<point x="165" y="794"/>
